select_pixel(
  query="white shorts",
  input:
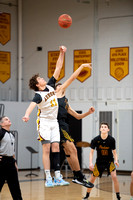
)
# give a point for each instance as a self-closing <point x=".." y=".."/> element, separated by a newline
<point x="48" y="130"/>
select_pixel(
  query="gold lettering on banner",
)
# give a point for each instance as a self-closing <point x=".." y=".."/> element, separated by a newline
<point x="5" y="62"/>
<point x="5" y="22"/>
<point x="80" y="57"/>
<point x="119" y="62"/>
<point x="52" y="59"/>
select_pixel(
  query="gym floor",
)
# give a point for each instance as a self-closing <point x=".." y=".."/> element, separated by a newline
<point x="33" y="188"/>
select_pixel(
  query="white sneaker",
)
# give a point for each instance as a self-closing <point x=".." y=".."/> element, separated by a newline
<point x="60" y="182"/>
<point x="49" y="182"/>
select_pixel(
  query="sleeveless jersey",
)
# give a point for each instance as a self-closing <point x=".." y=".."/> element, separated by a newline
<point x="48" y="107"/>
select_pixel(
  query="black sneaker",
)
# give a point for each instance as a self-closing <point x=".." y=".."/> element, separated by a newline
<point x="83" y="182"/>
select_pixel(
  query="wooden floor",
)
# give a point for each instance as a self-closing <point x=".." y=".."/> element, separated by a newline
<point x="33" y="188"/>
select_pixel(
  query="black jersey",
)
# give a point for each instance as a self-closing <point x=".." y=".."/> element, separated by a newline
<point x="104" y="148"/>
<point x="63" y="107"/>
<point x="62" y="119"/>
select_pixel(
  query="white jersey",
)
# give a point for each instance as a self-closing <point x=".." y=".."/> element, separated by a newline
<point x="49" y="105"/>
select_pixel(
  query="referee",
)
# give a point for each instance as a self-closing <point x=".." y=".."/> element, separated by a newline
<point x="8" y="165"/>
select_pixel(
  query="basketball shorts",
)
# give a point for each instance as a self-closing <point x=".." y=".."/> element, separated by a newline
<point x="100" y="167"/>
<point x="48" y="130"/>
<point x="64" y="133"/>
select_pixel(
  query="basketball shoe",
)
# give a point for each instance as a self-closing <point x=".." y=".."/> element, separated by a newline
<point x="83" y="181"/>
<point x="60" y="182"/>
<point x="49" y="182"/>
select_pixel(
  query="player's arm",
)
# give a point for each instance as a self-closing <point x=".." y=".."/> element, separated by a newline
<point x="91" y="166"/>
<point x="115" y="157"/>
<point x="74" y="76"/>
<point x="78" y="115"/>
<point x="59" y="63"/>
<point x="28" y="111"/>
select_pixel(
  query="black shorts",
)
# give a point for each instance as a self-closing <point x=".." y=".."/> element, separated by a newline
<point x="64" y="133"/>
<point x="100" y="167"/>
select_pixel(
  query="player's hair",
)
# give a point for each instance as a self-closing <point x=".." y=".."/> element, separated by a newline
<point x="104" y="123"/>
<point x="57" y="85"/>
<point x="1" y="120"/>
<point x="33" y="81"/>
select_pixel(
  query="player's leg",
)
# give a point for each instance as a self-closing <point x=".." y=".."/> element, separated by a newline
<point x="72" y="158"/>
<point x="131" y="186"/>
<point x="92" y="180"/>
<point x="69" y="147"/>
<point x="46" y="162"/>
<point x="45" y="156"/>
<point x="71" y="155"/>
<point x="58" y="179"/>
<point x="55" y="140"/>
<point x="56" y="158"/>
<point x="44" y="130"/>
<point x="97" y="172"/>
<point x="116" y="184"/>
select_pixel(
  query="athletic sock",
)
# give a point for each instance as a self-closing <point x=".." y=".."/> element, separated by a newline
<point x="74" y="174"/>
<point x="56" y="160"/>
<point x="118" y="195"/>
<point x="48" y="174"/>
<point x="79" y="175"/>
<point x="57" y="174"/>
<point x="87" y="194"/>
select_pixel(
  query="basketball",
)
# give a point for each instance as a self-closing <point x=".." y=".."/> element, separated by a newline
<point x="64" y="21"/>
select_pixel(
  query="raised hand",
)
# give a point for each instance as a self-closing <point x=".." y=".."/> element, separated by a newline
<point x="89" y="65"/>
<point x="91" y="110"/>
<point x="63" y="48"/>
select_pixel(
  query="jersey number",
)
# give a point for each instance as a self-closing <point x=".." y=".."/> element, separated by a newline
<point x="53" y="103"/>
<point x="104" y="152"/>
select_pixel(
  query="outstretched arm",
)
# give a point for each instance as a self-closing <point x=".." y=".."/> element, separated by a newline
<point x="74" y="76"/>
<point x="80" y="116"/>
<point x="59" y="63"/>
<point x="28" y="111"/>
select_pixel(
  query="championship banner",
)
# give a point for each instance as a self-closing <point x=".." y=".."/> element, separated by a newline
<point x="5" y="63"/>
<point x="52" y="59"/>
<point x="80" y="57"/>
<point x="119" y="62"/>
<point x="5" y="24"/>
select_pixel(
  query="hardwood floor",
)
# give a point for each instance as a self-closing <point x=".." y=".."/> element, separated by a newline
<point x="33" y="188"/>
